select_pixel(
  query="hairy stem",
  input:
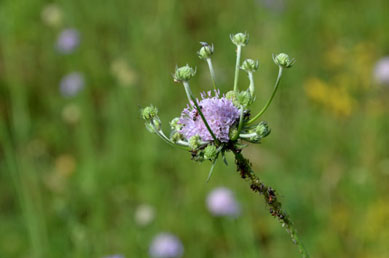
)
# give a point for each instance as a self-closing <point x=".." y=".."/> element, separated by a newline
<point x="237" y="67"/>
<point x="271" y="97"/>
<point x="270" y="197"/>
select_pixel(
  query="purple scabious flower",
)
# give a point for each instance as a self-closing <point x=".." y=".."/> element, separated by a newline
<point x="219" y="112"/>
<point x="221" y="202"/>
<point x="71" y="84"/>
<point x="68" y="40"/>
<point x="114" y="256"/>
<point x="166" y="245"/>
<point x="381" y="71"/>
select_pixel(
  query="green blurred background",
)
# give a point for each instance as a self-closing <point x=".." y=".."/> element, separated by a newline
<point x="75" y="169"/>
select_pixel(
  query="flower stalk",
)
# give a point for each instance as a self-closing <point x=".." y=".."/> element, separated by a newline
<point x="237" y="65"/>
<point x="212" y="71"/>
<point x="280" y="69"/>
<point x="271" y="199"/>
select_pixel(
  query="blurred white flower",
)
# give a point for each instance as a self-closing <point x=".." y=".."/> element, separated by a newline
<point x="144" y="214"/>
<point x="166" y="245"/>
<point x="381" y="71"/>
<point x="221" y="202"/>
<point x="51" y="15"/>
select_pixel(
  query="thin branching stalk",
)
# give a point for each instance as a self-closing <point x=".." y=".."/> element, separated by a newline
<point x="269" y="194"/>
<point x="251" y="87"/>
<point x="209" y="61"/>
<point x="271" y="97"/>
<point x="237" y="67"/>
<point x="240" y="124"/>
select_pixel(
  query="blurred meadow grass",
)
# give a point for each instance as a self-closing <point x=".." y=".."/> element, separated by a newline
<point x="74" y="169"/>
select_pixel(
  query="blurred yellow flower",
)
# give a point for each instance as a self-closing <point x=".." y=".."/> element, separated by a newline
<point x="335" y="99"/>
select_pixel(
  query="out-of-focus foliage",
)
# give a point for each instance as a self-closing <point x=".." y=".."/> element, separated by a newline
<point x="77" y="164"/>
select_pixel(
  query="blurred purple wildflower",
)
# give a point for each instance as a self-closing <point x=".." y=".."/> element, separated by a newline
<point x="71" y="84"/>
<point x="219" y="112"/>
<point x="381" y="71"/>
<point x="68" y="40"/>
<point x="221" y="202"/>
<point x="114" y="256"/>
<point x="166" y="245"/>
<point x="277" y="6"/>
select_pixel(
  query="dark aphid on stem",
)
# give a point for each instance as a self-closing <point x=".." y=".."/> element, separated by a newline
<point x="271" y="195"/>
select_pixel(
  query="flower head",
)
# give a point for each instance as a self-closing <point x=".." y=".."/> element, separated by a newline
<point x="219" y="112"/>
<point x="166" y="245"/>
<point x="68" y="40"/>
<point x="221" y="202"/>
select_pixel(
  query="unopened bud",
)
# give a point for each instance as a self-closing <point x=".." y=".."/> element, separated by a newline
<point x="244" y="98"/>
<point x="194" y="142"/>
<point x="283" y="60"/>
<point x="176" y="137"/>
<point x="262" y="129"/>
<point x="205" y="51"/>
<point x="149" y="112"/>
<point x="210" y="152"/>
<point x="175" y="125"/>
<point x="240" y="39"/>
<point x="184" y="73"/>
<point x="250" y="66"/>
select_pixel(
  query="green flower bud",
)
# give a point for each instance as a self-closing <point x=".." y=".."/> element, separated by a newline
<point x="262" y="129"/>
<point x="283" y="60"/>
<point x="184" y="73"/>
<point x="205" y="51"/>
<point x="210" y="152"/>
<point x="249" y="65"/>
<point x="233" y="133"/>
<point x="175" y="125"/>
<point x="231" y="95"/>
<point x="176" y="137"/>
<point x="244" y="98"/>
<point x="194" y="142"/>
<point x="240" y="39"/>
<point x="149" y="112"/>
